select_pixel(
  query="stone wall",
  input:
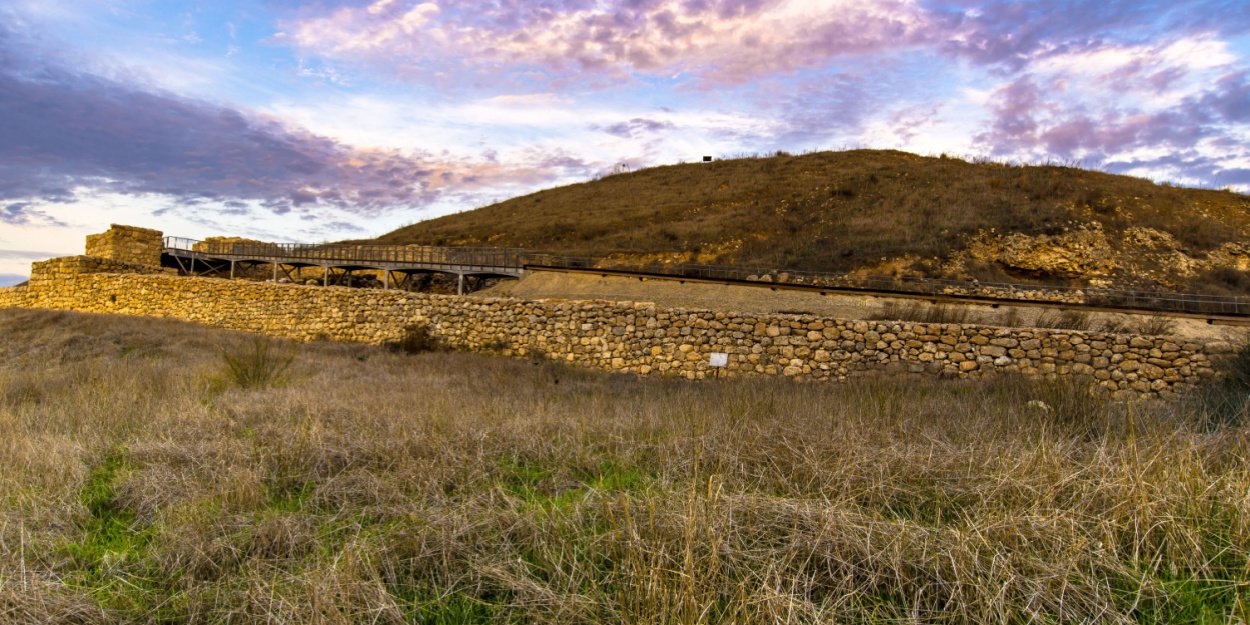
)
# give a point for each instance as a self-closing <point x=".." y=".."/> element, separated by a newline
<point x="55" y="271"/>
<point x="127" y="244"/>
<point x="637" y="338"/>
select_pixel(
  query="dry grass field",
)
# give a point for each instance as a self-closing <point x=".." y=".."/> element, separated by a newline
<point x="154" y="472"/>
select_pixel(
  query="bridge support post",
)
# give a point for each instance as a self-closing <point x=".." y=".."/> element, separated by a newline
<point x="386" y="279"/>
<point x="325" y="275"/>
<point x="232" y="270"/>
<point x="460" y="284"/>
<point x="275" y="271"/>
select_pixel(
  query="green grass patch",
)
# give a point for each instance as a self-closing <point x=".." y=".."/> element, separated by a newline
<point x="110" y="534"/>
<point x="1191" y="600"/>
<point x="289" y="497"/>
<point x="109" y="557"/>
<point x="554" y="488"/>
<point x="426" y="606"/>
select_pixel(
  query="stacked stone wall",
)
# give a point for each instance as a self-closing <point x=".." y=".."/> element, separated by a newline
<point x="14" y="297"/>
<point x="55" y="271"/>
<point x="637" y="338"/>
<point x="127" y="244"/>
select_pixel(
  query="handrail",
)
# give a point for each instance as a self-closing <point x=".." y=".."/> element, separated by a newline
<point x="509" y="258"/>
<point x="519" y="259"/>
<point x="1097" y="296"/>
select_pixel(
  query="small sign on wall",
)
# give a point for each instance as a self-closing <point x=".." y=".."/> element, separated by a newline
<point x="718" y="359"/>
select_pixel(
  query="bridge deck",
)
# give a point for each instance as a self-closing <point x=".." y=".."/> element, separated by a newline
<point x="400" y="258"/>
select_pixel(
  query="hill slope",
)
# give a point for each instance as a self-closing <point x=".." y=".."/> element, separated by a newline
<point x="880" y="211"/>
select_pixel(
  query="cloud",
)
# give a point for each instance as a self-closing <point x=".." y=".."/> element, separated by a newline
<point x="24" y="214"/>
<point x="829" y="107"/>
<point x="1230" y="98"/>
<point x="726" y="42"/>
<point x="1028" y="117"/>
<point x="1178" y="113"/>
<point x="1015" y="107"/>
<point x="636" y="127"/>
<point x="712" y="76"/>
<point x="343" y="226"/>
<point x="1014" y="33"/>
<point x="67" y="131"/>
<point x="1189" y="166"/>
<point x="717" y="41"/>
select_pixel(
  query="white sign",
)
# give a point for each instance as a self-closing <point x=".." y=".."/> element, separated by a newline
<point x="718" y="359"/>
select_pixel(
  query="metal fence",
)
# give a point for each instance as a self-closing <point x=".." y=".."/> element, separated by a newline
<point x="495" y="257"/>
<point x="1093" y="296"/>
<point x="517" y="259"/>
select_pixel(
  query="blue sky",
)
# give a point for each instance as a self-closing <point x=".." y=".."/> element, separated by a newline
<point x="311" y="121"/>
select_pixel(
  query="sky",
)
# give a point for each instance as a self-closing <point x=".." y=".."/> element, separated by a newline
<point x="317" y="120"/>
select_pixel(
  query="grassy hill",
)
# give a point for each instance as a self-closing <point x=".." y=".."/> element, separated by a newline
<point x="864" y="210"/>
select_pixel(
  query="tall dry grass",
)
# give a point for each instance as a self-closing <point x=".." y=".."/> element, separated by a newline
<point x="380" y="487"/>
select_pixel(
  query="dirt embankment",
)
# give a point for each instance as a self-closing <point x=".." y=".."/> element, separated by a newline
<point x="675" y="293"/>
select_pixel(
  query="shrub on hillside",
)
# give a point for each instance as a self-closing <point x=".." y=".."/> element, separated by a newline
<point x="1155" y="325"/>
<point x="258" y="363"/>
<point x="1226" y="281"/>
<point x="918" y="312"/>
<point x="1064" y="320"/>
<point x="1224" y="400"/>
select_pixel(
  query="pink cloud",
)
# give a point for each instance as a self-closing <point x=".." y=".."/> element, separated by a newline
<point x="717" y="41"/>
<point x="1028" y="117"/>
<point x="721" y="42"/>
<point x="66" y="131"/>
<point x="1015" y="108"/>
<point x="1101" y="100"/>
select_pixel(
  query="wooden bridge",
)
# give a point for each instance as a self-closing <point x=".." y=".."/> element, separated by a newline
<point x="398" y="263"/>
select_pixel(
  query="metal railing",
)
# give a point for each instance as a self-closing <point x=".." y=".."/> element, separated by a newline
<point x="515" y="259"/>
<point x="313" y="253"/>
<point x="1163" y="301"/>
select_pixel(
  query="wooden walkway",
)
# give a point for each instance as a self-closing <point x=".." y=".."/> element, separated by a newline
<point x="205" y="257"/>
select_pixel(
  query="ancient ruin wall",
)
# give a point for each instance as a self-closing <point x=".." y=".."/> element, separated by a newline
<point x="629" y="337"/>
<point x="51" y="273"/>
<point x="127" y="244"/>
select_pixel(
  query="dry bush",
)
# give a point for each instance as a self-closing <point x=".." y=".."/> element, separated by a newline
<point x="1157" y="325"/>
<point x="456" y="488"/>
<point x="1224" y="400"/>
<point x="919" y="312"/>
<point x="1114" y="325"/>
<point x="1063" y="319"/>
<point x="1226" y="281"/>
<point x="257" y="363"/>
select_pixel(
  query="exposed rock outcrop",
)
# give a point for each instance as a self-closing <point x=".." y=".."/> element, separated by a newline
<point x="1086" y="253"/>
<point x="1081" y="252"/>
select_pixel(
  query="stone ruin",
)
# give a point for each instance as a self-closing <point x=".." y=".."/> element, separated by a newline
<point x="127" y="244"/>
